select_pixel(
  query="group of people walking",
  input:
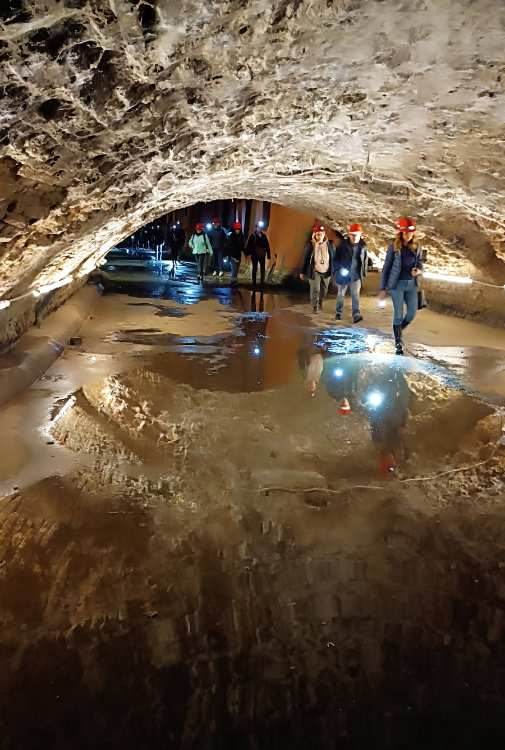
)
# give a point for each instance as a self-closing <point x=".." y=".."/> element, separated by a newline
<point x="210" y="248"/>
<point x="345" y="260"/>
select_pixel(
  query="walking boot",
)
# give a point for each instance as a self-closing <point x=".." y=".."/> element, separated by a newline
<point x="338" y="316"/>
<point x="357" y="318"/>
<point x="397" y="330"/>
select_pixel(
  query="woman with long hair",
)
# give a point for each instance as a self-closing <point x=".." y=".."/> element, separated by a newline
<point x="402" y="267"/>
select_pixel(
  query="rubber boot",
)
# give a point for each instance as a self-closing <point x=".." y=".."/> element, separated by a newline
<point x="397" y="330"/>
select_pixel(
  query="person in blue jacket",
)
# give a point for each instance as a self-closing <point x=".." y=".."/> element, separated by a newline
<point x="402" y="268"/>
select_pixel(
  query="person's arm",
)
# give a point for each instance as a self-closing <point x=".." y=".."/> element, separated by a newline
<point x="248" y="247"/>
<point x="387" y="267"/>
<point x="208" y="244"/>
<point x="364" y="262"/>
<point x="191" y="243"/>
<point x="267" y="247"/>
<point x="306" y="260"/>
<point x="419" y="261"/>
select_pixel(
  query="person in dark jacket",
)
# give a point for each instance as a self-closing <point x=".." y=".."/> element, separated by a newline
<point x="349" y="270"/>
<point x="235" y="246"/>
<point x="402" y="268"/>
<point x="258" y="248"/>
<point x="317" y="265"/>
<point x="217" y="237"/>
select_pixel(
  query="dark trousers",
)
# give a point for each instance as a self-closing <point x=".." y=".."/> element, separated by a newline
<point x="318" y="288"/>
<point x="235" y="265"/>
<point x="201" y="263"/>
<point x="255" y="260"/>
<point x="218" y="260"/>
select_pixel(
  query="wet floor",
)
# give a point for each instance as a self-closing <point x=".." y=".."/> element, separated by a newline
<point x="229" y="524"/>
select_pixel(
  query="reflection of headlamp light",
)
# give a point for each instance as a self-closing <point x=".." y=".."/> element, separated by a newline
<point x="209" y="226"/>
<point x="344" y="272"/>
<point x="338" y="372"/>
<point x="375" y="399"/>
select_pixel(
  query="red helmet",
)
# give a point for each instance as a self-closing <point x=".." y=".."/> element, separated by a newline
<point x="406" y="224"/>
<point x="236" y="225"/>
<point x="318" y="227"/>
<point x="355" y="228"/>
<point x="199" y="227"/>
<point x="216" y="220"/>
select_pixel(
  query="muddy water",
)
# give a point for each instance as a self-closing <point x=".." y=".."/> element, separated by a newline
<point x="255" y="532"/>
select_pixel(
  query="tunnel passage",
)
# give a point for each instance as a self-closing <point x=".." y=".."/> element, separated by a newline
<point x="110" y="118"/>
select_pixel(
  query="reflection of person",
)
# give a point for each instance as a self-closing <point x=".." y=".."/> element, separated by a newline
<point x="311" y="362"/>
<point x="235" y="247"/>
<point x="201" y="249"/>
<point x="402" y="267"/>
<point x="258" y="248"/>
<point x="379" y="393"/>
<point x="317" y="265"/>
<point x="254" y="307"/>
<point x="349" y="270"/>
<point x="387" y="411"/>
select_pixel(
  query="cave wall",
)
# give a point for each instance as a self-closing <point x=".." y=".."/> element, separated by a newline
<point x="113" y="113"/>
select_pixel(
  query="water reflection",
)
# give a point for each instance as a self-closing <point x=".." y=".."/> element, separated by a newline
<point x="158" y="597"/>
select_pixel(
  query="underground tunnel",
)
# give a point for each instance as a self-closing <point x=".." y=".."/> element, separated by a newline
<point x="243" y="512"/>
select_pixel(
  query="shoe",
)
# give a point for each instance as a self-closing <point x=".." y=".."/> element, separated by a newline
<point x="221" y="273"/>
<point x="357" y="319"/>
<point x="321" y="305"/>
<point x="338" y="316"/>
<point x="215" y="273"/>
<point x="315" y="309"/>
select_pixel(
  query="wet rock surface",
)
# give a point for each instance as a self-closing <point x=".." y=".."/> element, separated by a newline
<point x="208" y="556"/>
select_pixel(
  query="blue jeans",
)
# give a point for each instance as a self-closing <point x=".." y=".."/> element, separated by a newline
<point x="404" y="294"/>
<point x="355" y="287"/>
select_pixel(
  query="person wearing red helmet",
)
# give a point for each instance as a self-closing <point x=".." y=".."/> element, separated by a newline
<point x="201" y="249"/>
<point x="400" y="277"/>
<point x="317" y="265"/>
<point x="235" y="245"/>
<point x="217" y="237"/>
<point x="349" y="270"/>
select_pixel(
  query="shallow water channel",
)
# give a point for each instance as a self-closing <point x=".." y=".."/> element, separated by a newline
<point x="257" y="531"/>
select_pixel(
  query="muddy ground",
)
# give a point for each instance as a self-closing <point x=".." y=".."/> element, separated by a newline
<point x="229" y="523"/>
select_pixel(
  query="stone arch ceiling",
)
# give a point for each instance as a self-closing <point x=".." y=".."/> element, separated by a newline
<point x="113" y="112"/>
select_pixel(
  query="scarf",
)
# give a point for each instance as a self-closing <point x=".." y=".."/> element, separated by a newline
<point x="321" y="256"/>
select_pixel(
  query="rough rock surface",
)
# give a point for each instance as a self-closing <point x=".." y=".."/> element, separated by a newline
<point x="115" y="111"/>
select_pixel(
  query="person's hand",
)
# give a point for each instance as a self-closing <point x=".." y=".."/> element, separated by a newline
<point x="382" y="294"/>
<point x="302" y="277"/>
<point x="415" y="272"/>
